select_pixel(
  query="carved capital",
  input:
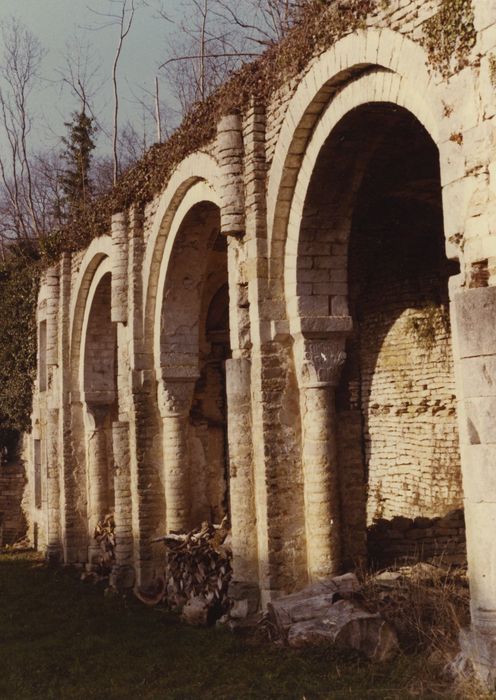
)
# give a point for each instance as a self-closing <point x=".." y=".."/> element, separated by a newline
<point x="97" y="412"/>
<point x="175" y="396"/>
<point x="319" y="361"/>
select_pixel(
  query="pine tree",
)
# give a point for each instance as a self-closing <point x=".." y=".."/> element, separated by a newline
<point x="75" y="178"/>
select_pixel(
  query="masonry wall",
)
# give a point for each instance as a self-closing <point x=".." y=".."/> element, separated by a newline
<point x="13" y="524"/>
<point x="338" y="222"/>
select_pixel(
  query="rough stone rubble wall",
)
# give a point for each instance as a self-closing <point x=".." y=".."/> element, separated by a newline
<point x="12" y="520"/>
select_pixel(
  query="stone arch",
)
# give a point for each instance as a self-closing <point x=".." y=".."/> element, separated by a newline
<point x="93" y="383"/>
<point x="190" y="375"/>
<point x="99" y="250"/>
<point x="316" y="269"/>
<point x="197" y="169"/>
<point x="199" y="194"/>
<point x="392" y="58"/>
<point x="378" y="86"/>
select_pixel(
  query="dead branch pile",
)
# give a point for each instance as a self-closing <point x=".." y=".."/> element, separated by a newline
<point x="198" y="570"/>
<point x="105" y="536"/>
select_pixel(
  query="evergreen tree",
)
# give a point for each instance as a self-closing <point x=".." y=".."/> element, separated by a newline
<point x="75" y="178"/>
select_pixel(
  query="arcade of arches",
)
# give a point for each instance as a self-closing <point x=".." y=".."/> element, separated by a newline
<point x="298" y="332"/>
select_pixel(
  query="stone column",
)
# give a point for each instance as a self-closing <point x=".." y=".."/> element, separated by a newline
<point x="119" y="268"/>
<point x="243" y="519"/>
<point x="319" y="363"/>
<point x="474" y="336"/>
<point x="175" y="396"/>
<point x="230" y="156"/>
<point x="54" y="545"/>
<point x="123" y="572"/>
<point x="97" y="473"/>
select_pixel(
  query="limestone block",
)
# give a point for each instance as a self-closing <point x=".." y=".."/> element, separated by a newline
<point x="477" y="653"/>
<point x="462" y="199"/>
<point x="481" y="427"/>
<point x="486" y="89"/>
<point x="475" y="311"/>
<point x="308" y="602"/>
<point x="478" y="146"/>
<point x="481" y="552"/>
<point x="479" y="473"/>
<point x="478" y="375"/>
<point x="487" y="38"/>
<point x="452" y="162"/>
<point x="484" y="14"/>
<point x="461" y="96"/>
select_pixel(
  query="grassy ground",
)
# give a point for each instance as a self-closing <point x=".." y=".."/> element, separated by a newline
<point x="61" y="638"/>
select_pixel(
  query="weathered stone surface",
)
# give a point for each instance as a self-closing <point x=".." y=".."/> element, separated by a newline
<point x="347" y="626"/>
<point x="348" y="378"/>
<point x="312" y="601"/>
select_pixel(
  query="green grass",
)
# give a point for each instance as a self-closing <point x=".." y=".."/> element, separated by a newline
<point x="62" y="638"/>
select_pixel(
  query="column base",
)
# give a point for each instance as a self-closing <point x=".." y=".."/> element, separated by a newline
<point x="53" y="554"/>
<point x="477" y="655"/>
<point x="94" y="557"/>
<point x="245" y="597"/>
<point x="123" y="577"/>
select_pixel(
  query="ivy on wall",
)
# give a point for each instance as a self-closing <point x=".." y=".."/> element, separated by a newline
<point x="19" y="282"/>
<point x="449" y="35"/>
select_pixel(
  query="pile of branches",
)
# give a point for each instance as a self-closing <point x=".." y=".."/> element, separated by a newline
<point x="198" y="571"/>
<point x="105" y="536"/>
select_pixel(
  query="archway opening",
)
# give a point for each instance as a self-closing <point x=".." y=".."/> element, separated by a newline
<point x="100" y="395"/>
<point x="372" y="235"/>
<point x="194" y="345"/>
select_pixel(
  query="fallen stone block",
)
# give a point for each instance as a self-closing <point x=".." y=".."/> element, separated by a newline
<point x="349" y="627"/>
<point x="312" y="601"/>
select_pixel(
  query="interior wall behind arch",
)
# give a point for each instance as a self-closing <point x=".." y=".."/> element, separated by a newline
<point x="372" y="245"/>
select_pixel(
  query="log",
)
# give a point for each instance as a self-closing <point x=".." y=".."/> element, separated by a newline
<point x="311" y="602"/>
<point x="347" y="626"/>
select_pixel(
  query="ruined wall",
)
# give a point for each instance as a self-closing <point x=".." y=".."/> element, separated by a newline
<point x="12" y="521"/>
<point x="336" y="358"/>
<point x="440" y="541"/>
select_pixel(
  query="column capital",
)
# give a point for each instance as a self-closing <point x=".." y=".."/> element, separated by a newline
<point x="319" y="361"/>
<point x="175" y="395"/>
<point x="97" y="411"/>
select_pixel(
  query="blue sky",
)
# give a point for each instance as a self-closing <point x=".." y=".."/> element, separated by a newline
<point x="55" y="22"/>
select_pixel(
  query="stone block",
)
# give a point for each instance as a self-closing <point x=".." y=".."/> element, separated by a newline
<point x="479" y="473"/>
<point x="480" y="422"/>
<point x="475" y="311"/>
<point x="478" y="375"/>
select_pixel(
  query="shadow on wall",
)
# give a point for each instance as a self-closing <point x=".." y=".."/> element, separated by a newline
<point x="398" y="439"/>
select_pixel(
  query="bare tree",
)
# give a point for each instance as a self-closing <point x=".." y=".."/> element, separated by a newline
<point x="81" y="74"/>
<point x="216" y="37"/>
<point x="121" y="14"/>
<point x="19" y="66"/>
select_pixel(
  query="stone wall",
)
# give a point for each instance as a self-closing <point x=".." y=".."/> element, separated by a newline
<point x="12" y="521"/>
<point x="357" y="351"/>
<point x="401" y="540"/>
